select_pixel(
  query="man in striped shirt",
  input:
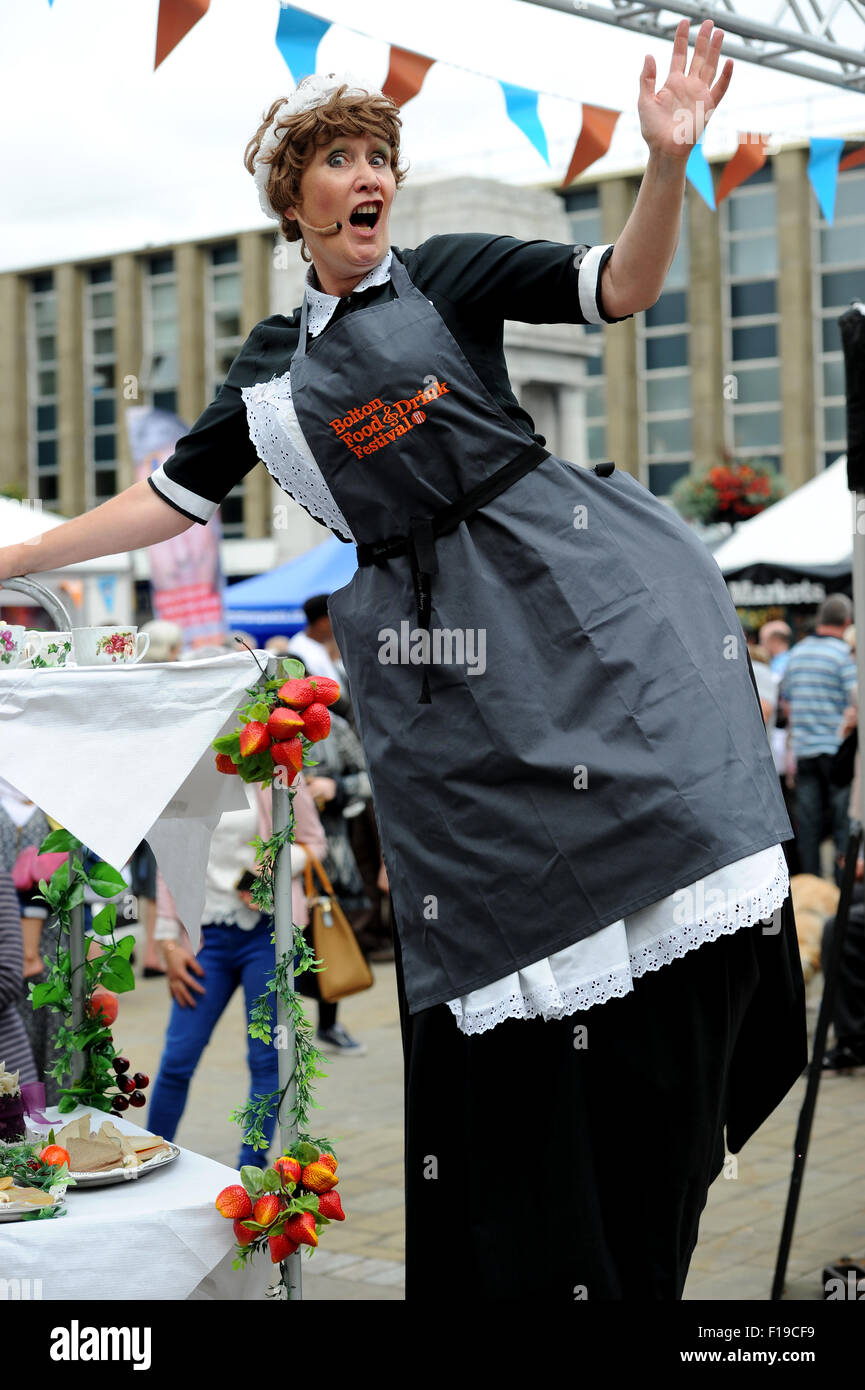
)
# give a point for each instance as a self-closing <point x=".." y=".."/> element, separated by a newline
<point x="819" y="685"/>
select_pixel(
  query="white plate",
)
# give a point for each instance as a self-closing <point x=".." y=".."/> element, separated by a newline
<point x="112" y="1175"/>
<point x="13" y="1211"/>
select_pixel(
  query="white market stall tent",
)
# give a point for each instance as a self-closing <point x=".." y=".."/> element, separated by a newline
<point x="796" y="551"/>
<point x="95" y="591"/>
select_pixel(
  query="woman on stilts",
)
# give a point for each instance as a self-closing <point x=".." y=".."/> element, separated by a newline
<point x="596" y="954"/>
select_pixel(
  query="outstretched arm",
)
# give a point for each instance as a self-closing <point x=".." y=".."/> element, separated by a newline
<point x="672" y="121"/>
<point x="133" y="519"/>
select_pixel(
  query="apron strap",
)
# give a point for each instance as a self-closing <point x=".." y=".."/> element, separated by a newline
<point x="419" y="543"/>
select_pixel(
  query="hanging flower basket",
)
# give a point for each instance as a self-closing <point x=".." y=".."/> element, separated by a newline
<point x="730" y="491"/>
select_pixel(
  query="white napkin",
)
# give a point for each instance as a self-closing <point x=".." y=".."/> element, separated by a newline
<point x="107" y="750"/>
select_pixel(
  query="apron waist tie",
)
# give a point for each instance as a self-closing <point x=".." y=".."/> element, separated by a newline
<point x="419" y="543"/>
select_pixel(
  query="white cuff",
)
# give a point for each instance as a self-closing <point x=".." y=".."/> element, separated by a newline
<point x="166" y="929"/>
<point x="193" y="506"/>
<point x="589" y="281"/>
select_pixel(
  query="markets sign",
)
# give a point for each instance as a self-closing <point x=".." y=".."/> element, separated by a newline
<point x="745" y="593"/>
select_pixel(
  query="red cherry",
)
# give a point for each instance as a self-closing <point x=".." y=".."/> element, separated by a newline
<point x="141" y="1081"/>
<point x="138" y="1098"/>
<point x="120" y="1065"/>
<point x="126" y="1084"/>
<point x="119" y="1103"/>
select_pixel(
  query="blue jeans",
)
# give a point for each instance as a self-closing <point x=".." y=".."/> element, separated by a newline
<point x="230" y="957"/>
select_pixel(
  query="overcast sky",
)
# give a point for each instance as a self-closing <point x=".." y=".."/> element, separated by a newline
<point x="102" y="154"/>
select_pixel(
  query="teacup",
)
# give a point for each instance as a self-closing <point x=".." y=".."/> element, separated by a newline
<point x="13" y="645"/>
<point x="48" y="648"/>
<point x="108" y="645"/>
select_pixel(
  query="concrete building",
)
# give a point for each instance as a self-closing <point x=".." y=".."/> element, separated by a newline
<point x="741" y="351"/>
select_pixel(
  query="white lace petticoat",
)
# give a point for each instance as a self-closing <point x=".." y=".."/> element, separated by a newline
<point x="604" y="966"/>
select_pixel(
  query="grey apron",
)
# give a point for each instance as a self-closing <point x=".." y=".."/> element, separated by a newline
<point x="588" y="739"/>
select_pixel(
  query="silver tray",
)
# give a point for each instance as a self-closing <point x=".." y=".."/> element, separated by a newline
<point x="14" y="1211"/>
<point x="115" y="1175"/>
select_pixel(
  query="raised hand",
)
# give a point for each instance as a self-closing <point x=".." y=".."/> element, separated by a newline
<point x="673" y="118"/>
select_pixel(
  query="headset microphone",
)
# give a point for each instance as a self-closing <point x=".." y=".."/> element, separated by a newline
<point x="330" y="230"/>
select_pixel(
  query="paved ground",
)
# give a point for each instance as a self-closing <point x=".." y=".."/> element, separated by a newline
<point x="361" y="1103"/>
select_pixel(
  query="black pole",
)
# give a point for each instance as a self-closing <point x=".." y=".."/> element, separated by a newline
<point x="827" y="1003"/>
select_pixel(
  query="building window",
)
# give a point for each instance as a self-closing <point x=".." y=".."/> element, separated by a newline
<point x="223" y="340"/>
<point x="664" y="379"/>
<point x="584" y="216"/>
<point x="838" y="258"/>
<point x="100" y="393"/>
<point x="43" y="463"/>
<point x="751" y="321"/>
<point x="160" y="371"/>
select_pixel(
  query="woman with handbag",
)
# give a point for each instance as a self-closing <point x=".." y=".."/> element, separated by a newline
<point x="235" y="952"/>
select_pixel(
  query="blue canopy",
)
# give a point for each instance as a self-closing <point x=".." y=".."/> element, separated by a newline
<point x="272" y="603"/>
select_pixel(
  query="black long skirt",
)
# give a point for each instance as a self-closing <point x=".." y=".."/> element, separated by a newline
<point x="541" y="1161"/>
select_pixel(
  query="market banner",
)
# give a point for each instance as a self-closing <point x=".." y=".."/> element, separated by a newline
<point x="593" y="141"/>
<point x="176" y="18"/>
<point x="186" y="582"/>
<point x="749" y="157"/>
<point x="405" y="74"/>
<point x="522" y="107"/>
<point x="298" y="35"/>
<point x="698" y="173"/>
<point x="823" y="172"/>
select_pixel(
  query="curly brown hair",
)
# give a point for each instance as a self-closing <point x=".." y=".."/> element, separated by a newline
<point x="308" y="131"/>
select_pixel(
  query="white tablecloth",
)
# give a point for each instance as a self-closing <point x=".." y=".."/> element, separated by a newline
<point x="153" y="1237"/>
<point x="120" y="754"/>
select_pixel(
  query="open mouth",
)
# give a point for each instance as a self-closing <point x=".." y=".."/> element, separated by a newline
<point x="366" y="214"/>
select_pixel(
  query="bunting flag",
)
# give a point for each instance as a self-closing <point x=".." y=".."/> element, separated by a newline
<point x="522" y="107"/>
<point x="697" y="171"/>
<point x="596" y="132"/>
<point x="176" y="18"/>
<point x="823" y="172"/>
<point x="749" y="157"/>
<point x="405" y="74"/>
<point x="298" y="35"/>
<point x="851" y="160"/>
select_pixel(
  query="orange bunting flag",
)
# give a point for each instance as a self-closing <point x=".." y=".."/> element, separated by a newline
<point x="851" y="160"/>
<point x="176" y="18"/>
<point x="749" y="157"/>
<point x="405" y="74"/>
<point x="594" y="139"/>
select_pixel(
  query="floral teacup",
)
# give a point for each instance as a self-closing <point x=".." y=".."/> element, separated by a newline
<point x="105" y="646"/>
<point x="13" y="646"/>
<point x="49" y="648"/>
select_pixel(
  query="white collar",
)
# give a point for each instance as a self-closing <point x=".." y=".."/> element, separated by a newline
<point x="322" y="306"/>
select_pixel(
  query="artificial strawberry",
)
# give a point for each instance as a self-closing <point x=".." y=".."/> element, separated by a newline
<point x="297" y="693"/>
<point x="288" y="755"/>
<point x="281" y="1247"/>
<point x="316" y="722"/>
<point x="242" y="1234"/>
<point x="254" y="738"/>
<point x="234" y="1202"/>
<point x="266" y="1209"/>
<point x="224" y="764"/>
<point x="328" y="1160"/>
<point x="288" y="1168"/>
<point x="318" y="1178"/>
<point x="330" y="1206"/>
<point x="301" y="1228"/>
<point x="284" y="724"/>
<point x="326" y="690"/>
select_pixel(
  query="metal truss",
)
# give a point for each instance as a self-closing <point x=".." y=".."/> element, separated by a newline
<point x="820" y="39"/>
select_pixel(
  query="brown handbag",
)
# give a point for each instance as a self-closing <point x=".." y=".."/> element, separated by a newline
<point x="333" y="940"/>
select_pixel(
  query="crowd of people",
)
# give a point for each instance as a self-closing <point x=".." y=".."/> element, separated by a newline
<point x="807" y="691"/>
